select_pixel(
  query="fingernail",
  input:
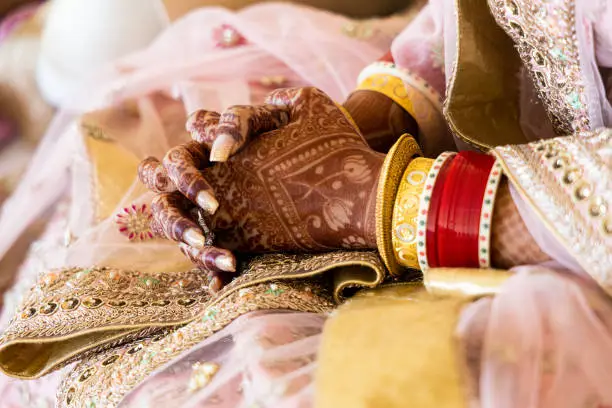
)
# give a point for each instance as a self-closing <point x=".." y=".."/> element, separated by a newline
<point x="215" y="284"/>
<point x="222" y="148"/>
<point x="207" y="201"/>
<point x="194" y="238"/>
<point x="226" y="263"/>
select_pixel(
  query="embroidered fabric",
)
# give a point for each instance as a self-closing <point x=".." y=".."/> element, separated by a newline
<point x="265" y="358"/>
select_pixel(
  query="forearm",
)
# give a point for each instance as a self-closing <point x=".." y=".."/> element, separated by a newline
<point x="454" y="212"/>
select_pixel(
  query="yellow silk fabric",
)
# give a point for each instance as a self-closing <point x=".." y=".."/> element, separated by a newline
<point x="391" y="348"/>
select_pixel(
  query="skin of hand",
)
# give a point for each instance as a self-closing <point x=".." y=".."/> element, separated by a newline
<point x="305" y="181"/>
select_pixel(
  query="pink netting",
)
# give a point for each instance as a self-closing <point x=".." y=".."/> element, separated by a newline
<point x="264" y="359"/>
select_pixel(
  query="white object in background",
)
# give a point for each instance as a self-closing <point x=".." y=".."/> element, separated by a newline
<point x="81" y="36"/>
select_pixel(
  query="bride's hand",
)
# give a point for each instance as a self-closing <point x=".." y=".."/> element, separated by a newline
<point x="179" y="182"/>
<point x="307" y="186"/>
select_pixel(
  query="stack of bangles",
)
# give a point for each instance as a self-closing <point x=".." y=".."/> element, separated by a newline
<point x="442" y="212"/>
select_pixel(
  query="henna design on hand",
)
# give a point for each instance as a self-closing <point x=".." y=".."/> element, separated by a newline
<point x="183" y="164"/>
<point x="170" y="211"/>
<point x="202" y="126"/>
<point x="210" y="258"/>
<point x="239" y="123"/>
<point x="308" y="185"/>
<point x="156" y="229"/>
<point x="153" y="175"/>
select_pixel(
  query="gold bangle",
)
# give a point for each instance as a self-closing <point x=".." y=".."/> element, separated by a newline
<point x="398" y="158"/>
<point x="392" y="87"/>
<point x="406" y="211"/>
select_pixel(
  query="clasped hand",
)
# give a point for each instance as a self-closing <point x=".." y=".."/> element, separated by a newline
<point x="294" y="174"/>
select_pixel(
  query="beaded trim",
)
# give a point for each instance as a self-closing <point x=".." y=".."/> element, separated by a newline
<point x="409" y="77"/>
<point x="566" y="181"/>
<point x="424" y="208"/>
<point x="95" y="306"/>
<point x="486" y="214"/>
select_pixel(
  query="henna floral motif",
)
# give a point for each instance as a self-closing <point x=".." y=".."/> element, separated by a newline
<point x="307" y="184"/>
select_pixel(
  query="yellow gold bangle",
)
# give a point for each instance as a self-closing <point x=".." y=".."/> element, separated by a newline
<point x="391" y="86"/>
<point x="398" y="158"/>
<point x="406" y="211"/>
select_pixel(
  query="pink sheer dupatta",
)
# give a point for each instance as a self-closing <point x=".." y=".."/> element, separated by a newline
<point x="263" y="359"/>
<point x="546" y="342"/>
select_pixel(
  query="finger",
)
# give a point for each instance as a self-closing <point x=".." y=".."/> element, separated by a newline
<point x="202" y="126"/>
<point x="156" y="229"/>
<point x="283" y="97"/>
<point x="293" y="99"/>
<point x="154" y="176"/>
<point x="210" y="258"/>
<point x="170" y="212"/>
<point x="183" y="164"/>
<point x="239" y="123"/>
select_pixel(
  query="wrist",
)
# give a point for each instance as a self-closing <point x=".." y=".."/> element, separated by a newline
<point x="380" y="119"/>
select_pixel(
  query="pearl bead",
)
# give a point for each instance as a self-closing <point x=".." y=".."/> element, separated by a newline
<point x="582" y="192"/>
<point x="598" y="207"/>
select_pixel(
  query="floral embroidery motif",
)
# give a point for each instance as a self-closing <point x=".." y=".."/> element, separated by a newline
<point x="227" y="36"/>
<point x="545" y="35"/>
<point x="135" y="222"/>
<point x="437" y="55"/>
<point x="361" y="30"/>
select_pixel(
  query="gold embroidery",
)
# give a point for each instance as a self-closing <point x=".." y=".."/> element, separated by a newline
<point x="106" y="378"/>
<point x="396" y="161"/>
<point x="545" y="35"/>
<point x="83" y="309"/>
<point x="201" y="375"/>
<point x="562" y="179"/>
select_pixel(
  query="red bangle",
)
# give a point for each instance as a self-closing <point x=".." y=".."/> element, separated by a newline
<point x="432" y="216"/>
<point x="458" y="220"/>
